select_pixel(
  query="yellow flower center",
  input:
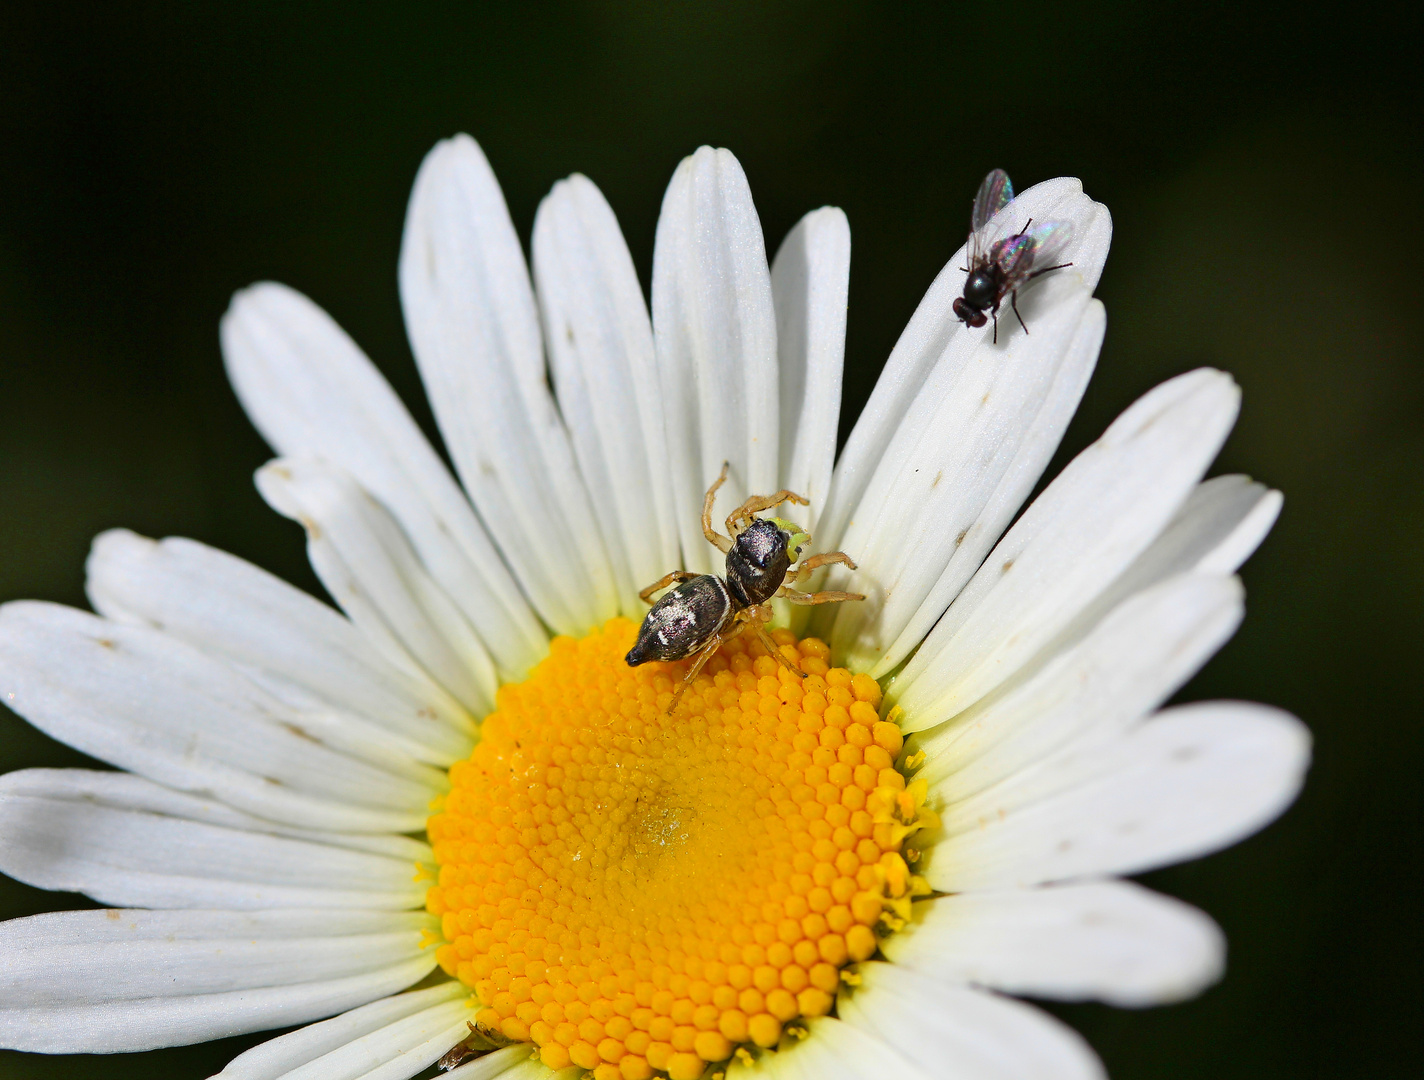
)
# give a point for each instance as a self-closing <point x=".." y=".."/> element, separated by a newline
<point x="637" y="891"/>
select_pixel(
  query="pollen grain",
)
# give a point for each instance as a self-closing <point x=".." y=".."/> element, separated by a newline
<point x="641" y="893"/>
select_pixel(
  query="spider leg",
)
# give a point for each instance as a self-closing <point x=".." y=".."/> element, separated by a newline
<point x="716" y="539"/>
<point x="825" y="558"/>
<point x="708" y="651"/>
<point x="741" y="517"/>
<point x="758" y="624"/>
<point x="807" y="599"/>
<point x="667" y="579"/>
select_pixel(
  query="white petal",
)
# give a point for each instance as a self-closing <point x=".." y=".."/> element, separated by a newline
<point x="810" y="279"/>
<point x="125" y="791"/>
<point x="768" y="1067"/>
<point x="777" y="1066"/>
<point x="296" y="645"/>
<point x="512" y="1063"/>
<point x="153" y="705"/>
<point x="1086" y="528"/>
<point x="56" y="835"/>
<point x="368" y="566"/>
<point x="1036" y="448"/>
<point x="1222" y="522"/>
<point x="396" y="1051"/>
<point x="835" y="1050"/>
<point x="714" y="326"/>
<point x="276" y="1057"/>
<point x="116" y="981"/>
<point x="125" y="1026"/>
<point x="311" y="392"/>
<point x="473" y="326"/>
<point x="968" y="453"/>
<point x="1129" y="665"/>
<point x="932" y="329"/>
<point x="1111" y="941"/>
<point x="1216" y="530"/>
<point x="1185" y="783"/>
<point x="604" y="368"/>
<point x="1229" y="517"/>
<point x="89" y="957"/>
<point x="955" y="1033"/>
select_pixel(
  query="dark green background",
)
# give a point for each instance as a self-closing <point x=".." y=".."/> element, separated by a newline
<point x="1263" y="174"/>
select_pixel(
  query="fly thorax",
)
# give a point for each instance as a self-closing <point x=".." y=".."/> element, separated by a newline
<point x="980" y="288"/>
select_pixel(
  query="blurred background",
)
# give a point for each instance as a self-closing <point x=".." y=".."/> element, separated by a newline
<point x="1264" y="178"/>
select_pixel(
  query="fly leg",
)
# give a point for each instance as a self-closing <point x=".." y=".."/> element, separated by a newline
<point x="1045" y="270"/>
<point x="741" y="517"/>
<point x="1014" y="302"/>
<point x="1014" y="298"/>
<point x="716" y="539"/>
<point x="663" y="582"/>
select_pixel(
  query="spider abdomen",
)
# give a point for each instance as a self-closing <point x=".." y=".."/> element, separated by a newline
<point x="683" y="621"/>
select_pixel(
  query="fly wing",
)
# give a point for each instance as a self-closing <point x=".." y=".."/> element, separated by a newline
<point x="1050" y="239"/>
<point x="1036" y="248"/>
<point x="995" y="193"/>
<point x="1013" y="255"/>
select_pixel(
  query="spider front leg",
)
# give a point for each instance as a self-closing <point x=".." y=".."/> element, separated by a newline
<point x="663" y="582"/>
<point x="741" y="517"/>
<point x="825" y="558"/>
<point x="807" y="599"/>
<point x="716" y="539"/>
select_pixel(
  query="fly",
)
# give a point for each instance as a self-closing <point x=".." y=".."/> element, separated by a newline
<point x="1000" y="268"/>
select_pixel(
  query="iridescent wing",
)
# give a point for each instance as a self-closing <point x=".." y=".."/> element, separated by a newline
<point x="1050" y="240"/>
<point x="1036" y="248"/>
<point x="1013" y="255"/>
<point x="995" y="193"/>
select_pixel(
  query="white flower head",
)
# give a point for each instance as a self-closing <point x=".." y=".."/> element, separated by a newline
<point x="451" y="816"/>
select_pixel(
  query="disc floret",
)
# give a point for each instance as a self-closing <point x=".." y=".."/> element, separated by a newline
<point x="641" y="892"/>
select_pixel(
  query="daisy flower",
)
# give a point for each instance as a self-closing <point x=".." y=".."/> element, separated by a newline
<point x="449" y="822"/>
